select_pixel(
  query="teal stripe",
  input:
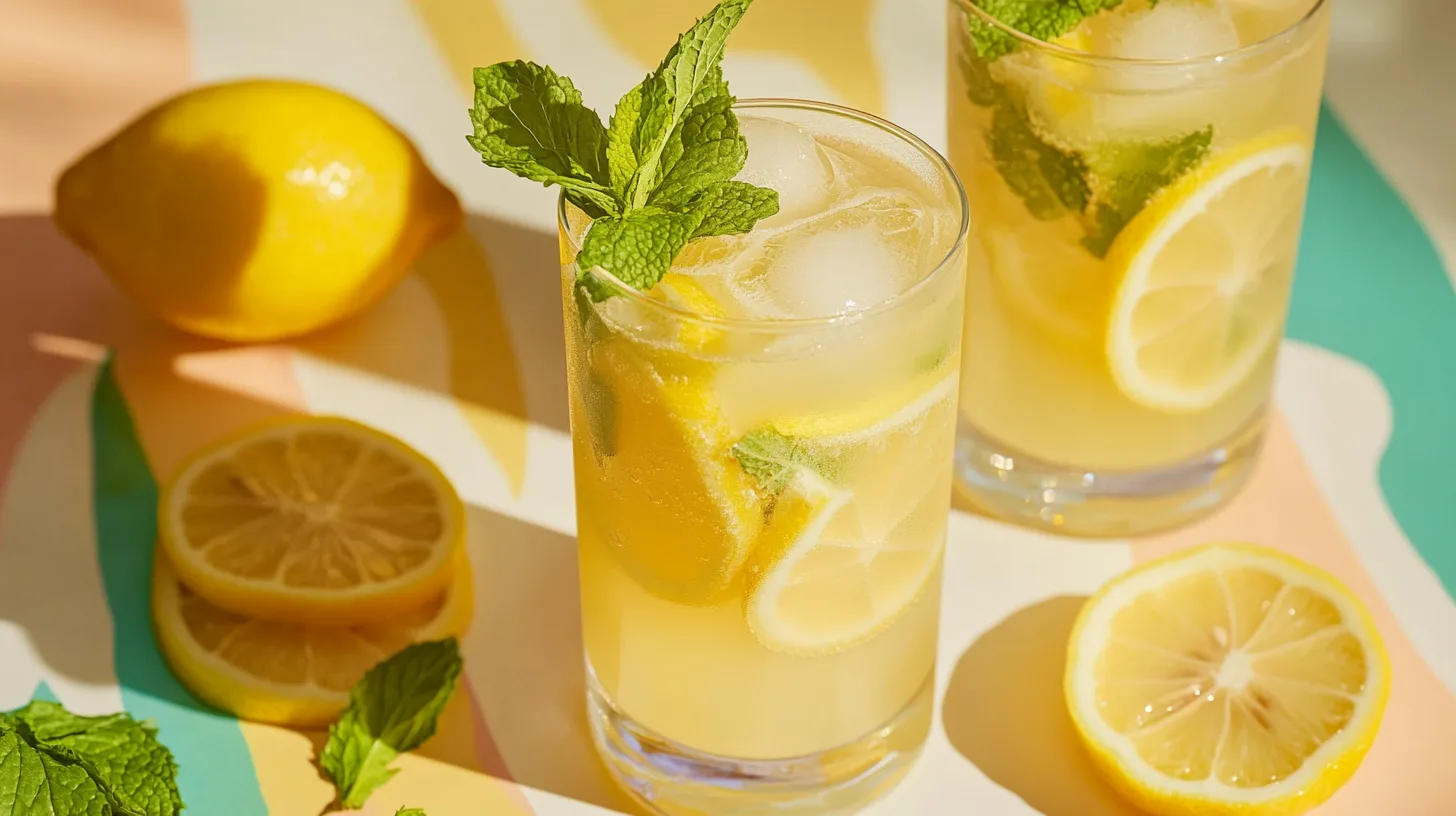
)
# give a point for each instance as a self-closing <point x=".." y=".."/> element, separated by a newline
<point x="217" y="771"/>
<point x="1371" y="287"/>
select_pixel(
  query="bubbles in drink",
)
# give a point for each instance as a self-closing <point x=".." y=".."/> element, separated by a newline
<point x="784" y="157"/>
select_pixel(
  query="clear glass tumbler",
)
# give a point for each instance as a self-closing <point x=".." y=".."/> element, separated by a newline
<point x="1137" y="187"/>
<point x="763" y="452"/>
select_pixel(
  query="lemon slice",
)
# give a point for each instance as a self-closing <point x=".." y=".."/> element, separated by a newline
<point x="1050" y="278"/>
<point x="286" y="673"/>
<point x="884" y="413"/>
<point x="1229" y="679"/>
<point x="685" y="295"/>
<point x="1204" y="276"/>
<point x="817" y="584"/>
<point x="678" y="511"/>
<point x="312" y="519"/>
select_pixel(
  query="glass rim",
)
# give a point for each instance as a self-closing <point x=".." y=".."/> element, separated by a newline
<point x="942" y="165"/>
<point x="1239" y="54"/>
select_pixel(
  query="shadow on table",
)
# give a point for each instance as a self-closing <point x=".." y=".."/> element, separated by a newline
<point x="524" y="662"/>
<point x="1003" y="711"/>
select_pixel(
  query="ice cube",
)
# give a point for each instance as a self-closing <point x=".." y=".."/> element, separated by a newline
<point x="829" y="273"/>
<point x="1171" y="30"/>
<point x="784" y="157"/>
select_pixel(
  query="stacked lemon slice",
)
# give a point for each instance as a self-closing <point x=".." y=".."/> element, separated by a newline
<point x="297" y="555"/>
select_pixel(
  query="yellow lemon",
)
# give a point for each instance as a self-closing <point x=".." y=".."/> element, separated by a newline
<point x="1227" y="679"/>
<point x="312" y="520"/>
<point x="287" y="673"/>
<point x="1202" y="275"/>
<point x="679" y="511"/>
<point x="255" y="210"/>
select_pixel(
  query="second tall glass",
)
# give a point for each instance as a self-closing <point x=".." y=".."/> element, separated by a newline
<point x="1136" y="187"/>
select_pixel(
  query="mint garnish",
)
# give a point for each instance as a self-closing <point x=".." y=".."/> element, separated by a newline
<point x="659" y="176"/>
<point x="1045" y="20"/>
<point x="1104" y="188"/>
<point x="775" y="459"/>
<point x="409" y="811"/>
<point x="392" y="709"/>
<point x="1138" y="170"/>
<point x="55" y="762"/>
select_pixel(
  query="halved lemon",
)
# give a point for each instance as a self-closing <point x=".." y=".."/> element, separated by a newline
<point x="676" y="508"/>
<point x="1228" y="679"/>
<point x="841" y="561"/>
<point x="313" y="520"/>
<point x="1204" y="275"/>
<point x="286" y="673"/>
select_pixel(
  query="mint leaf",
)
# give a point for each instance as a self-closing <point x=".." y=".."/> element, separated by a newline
<point x="688" y="77"/>
<point x="35" y="781"/>
<point x="409" y="811"/>
<point x="773" y="459"/>
<point x="126" y="762"/>
<point x="621" y="150"/>
<point x="532" y="122"/>
<point x="1051" y="181"/>
<point x="1137" y="172"/>
<point x="637" y="248"/>
<point x="704" y="150"/>
<point x="1045" y="20"/>
<point x="392" y="709"/>
<point x="733" y="207"/>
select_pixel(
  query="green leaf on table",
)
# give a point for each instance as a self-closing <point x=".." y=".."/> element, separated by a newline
<point x="409" y="811"/>
<point x="1137" y="171"/>
<point x="531" y="121"/>
<point x="57" y="763"/>
<point x="392" y="709"/>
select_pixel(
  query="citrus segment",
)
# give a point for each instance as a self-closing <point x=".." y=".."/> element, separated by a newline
<point x="1227" y="679"/>
<point x="678" y="511"/>
<point x="284" y="673"/>
<point x="1203" y="276"/>
<point x="312" y="519"/>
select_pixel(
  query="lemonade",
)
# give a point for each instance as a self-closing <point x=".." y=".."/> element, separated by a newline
<point x="1137" y="186"/>
<point x="763" y="470"/>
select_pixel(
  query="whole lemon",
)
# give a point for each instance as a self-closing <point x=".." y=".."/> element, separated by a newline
<point x="255" y="210"/>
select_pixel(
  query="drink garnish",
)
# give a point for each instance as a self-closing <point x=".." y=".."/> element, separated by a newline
<point x="660" y="175"/>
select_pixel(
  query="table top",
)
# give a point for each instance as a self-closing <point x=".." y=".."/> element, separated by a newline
<point x="464" y="360"/>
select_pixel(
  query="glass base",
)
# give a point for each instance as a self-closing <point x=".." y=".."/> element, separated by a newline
<point x="672" y="779"/>
<point x="1010" y="485"/>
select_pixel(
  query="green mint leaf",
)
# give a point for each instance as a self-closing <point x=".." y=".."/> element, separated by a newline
<point x="409" y="811"/>
<point x="637" y="248"/>
<point x="688" y="76"/>
<point x="772" y="459"/>
<point x="135" y="771"/>
<point x="393" y="709"/>
<point x="1051" y="181"/>
<point x="40" y="782"/>
<point x="532" y="122"/>
<point x="705" y="149"/>
<point x="1045" y="20"/>
<point x="1137" y="172"/>
<point x="621" y="149"/>
<point x="733" y="207"/>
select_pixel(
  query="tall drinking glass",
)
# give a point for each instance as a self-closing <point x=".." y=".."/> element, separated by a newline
<point x="763" y="447"/>
<point x="1137" y="187"/>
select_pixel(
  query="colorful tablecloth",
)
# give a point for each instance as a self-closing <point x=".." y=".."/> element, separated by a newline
<point x="465" y="361"/>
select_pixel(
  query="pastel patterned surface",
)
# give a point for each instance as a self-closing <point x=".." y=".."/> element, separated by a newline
<point x="464" y="361"/>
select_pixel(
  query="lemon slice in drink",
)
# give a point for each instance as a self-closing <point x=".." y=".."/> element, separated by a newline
<point x="1229" y="679"/>
<point x="678" y="511"/>
<point x="287" y="673"/>
<point x="1204" y="275"/>
<point x="837" y="565"/>
<point x="312" y="519"/>
<point x="1047" y="276"/>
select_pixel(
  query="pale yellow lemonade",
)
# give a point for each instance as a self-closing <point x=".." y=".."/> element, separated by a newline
<point x="763" y="447"/>
<point x="1136" y="204"/>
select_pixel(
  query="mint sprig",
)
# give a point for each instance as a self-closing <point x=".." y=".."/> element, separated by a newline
<point x="59" y="763"/>
<point x="658" y="176"/>
<point x="392" y="709"/>
<point x="1103" y="188"/>
<point x="775" y="459"/>
<point x="1045" y="20"/>
<point x="409" y="811"/>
